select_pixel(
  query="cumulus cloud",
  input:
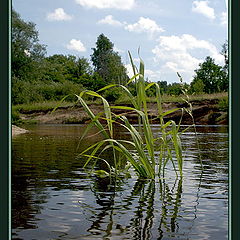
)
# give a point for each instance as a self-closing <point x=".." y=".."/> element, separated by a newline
<point x="110" y="20"/>
<point x="144" y="25"/>
<point x="58" y="15"/>
<point x="129" y="68"/>
<point x="224" y="18"/>
<point x="152" y="75"/>
<point x="117" y="50"/>
<point x="76" y="45"/>
<point x="203" y="8"/>
<point x="101" y="4"/>
<point x="175" y="51"/>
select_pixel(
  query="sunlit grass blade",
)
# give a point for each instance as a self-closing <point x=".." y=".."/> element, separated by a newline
<point x="92" y="116"/>
<point x="170" y="111"/>
<point x="132" y="78"/>
<point x="106" y="110"/>
<point x="61" y="101"/>
<point x="107" y="87"/>
<point x="177" y="146"/>
<point x="133" y="66"/>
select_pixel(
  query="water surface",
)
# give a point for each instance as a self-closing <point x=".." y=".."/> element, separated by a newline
<point x="54" y="198"/>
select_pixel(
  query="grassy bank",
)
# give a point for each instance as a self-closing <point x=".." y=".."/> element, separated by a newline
<point x="170" y="98"/>
<point x="17" y="110"/>
<point x="50" y="105"/>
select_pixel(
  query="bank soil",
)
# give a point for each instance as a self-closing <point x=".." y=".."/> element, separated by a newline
<point x="205" y="112"/>
<point x="17" y="130"/>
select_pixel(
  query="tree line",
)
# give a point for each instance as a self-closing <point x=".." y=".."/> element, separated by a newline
<point x="37" y="77"/>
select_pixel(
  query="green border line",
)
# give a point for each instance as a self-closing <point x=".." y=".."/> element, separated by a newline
<point x="10" y="120"/>
<point x="235" y="119"/>
<point x="5" y="123"/>
<point x="5" y="144"/>
<point x="230" y="125"/>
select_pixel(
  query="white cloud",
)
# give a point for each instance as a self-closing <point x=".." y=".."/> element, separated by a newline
<point x="58" y="15"/>
<point x="144" y="25"/>
<point x="76" y="45"/>
<point x="117" y="50"/>
<point x="117" y="4"/>
<point x="203" y="8"/>
<point x="152" y="75"/>
<point x="129" y="70"/>
<point x="175" y="51"/>
<point x="224" y="18"/>
<point x="109" y="20"/>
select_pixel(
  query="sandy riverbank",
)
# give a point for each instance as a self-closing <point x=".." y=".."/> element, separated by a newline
<point x="205" y="112"/>
<point x="17" y="130"/>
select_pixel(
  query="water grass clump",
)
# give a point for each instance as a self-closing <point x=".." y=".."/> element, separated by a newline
<point x="146" y="153"/>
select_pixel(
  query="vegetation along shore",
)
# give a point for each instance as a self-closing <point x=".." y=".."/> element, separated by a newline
<point x="207" y="110"/>
<point x="40" y="82"/>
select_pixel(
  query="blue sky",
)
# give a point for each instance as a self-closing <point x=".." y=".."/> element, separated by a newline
<point x="172" y="35"/>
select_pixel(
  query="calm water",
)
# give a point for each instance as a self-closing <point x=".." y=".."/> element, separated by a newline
<point x="53" y="198"/>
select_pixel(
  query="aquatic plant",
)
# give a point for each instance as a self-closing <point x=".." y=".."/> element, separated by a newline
<point x="147" y="154"/>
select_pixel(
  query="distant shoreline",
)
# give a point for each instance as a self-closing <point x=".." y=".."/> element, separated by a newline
<point x="205" y="112"/>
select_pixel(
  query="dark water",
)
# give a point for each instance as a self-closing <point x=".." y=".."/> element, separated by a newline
<point x="53" y="198"/>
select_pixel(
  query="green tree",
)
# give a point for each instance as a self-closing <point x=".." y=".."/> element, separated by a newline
<point x="163" y="86"/>
<point x="174" y="89"/>
<point x="212" y="76"/>
<point x="27" y="52"/>
<point x="224" y="52"/>
<point x="60" y="68"/>
<point x="83" y="67"/>
<point x="107" y="63"/>
<point x="92" y="81"/>
<point x="198" y="86"/>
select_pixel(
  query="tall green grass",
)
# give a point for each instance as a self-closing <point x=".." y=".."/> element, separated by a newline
<point x="147" y="154"/>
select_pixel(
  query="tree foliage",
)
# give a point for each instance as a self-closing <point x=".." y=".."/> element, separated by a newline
<point x="60" y="68"/>
<point x="37" y="77"/>
<point x="107" y="63"/>
<point x="27" y="52"/>
<point x="224" y="52"/>
<point x="212" y="76"/>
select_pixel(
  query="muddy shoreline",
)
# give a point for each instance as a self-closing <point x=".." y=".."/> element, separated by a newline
<point x="205" y="112"/>
<point x="17" y="130"/>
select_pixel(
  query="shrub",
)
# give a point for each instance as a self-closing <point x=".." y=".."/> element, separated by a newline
<point x="26" y="92"/>
<point x="223" y="104"/>
<point x="111" y="95"/>
<point x="16" y="120"/>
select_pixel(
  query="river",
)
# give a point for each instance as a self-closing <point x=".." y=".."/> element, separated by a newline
<point x="54" y="198"/>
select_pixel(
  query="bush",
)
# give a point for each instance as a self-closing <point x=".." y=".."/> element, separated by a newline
<point x="197" y="87"/>
<point x="25" y="92"/>
<point x="92" y="82"/>
<point x="112" y="94"/>
<point x="223" y="104"/>
<point x="56" y="91"/>
<point x="16" y="120"/>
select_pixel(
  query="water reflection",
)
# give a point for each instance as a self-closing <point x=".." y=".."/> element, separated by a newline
<point x="53" y="198"/>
